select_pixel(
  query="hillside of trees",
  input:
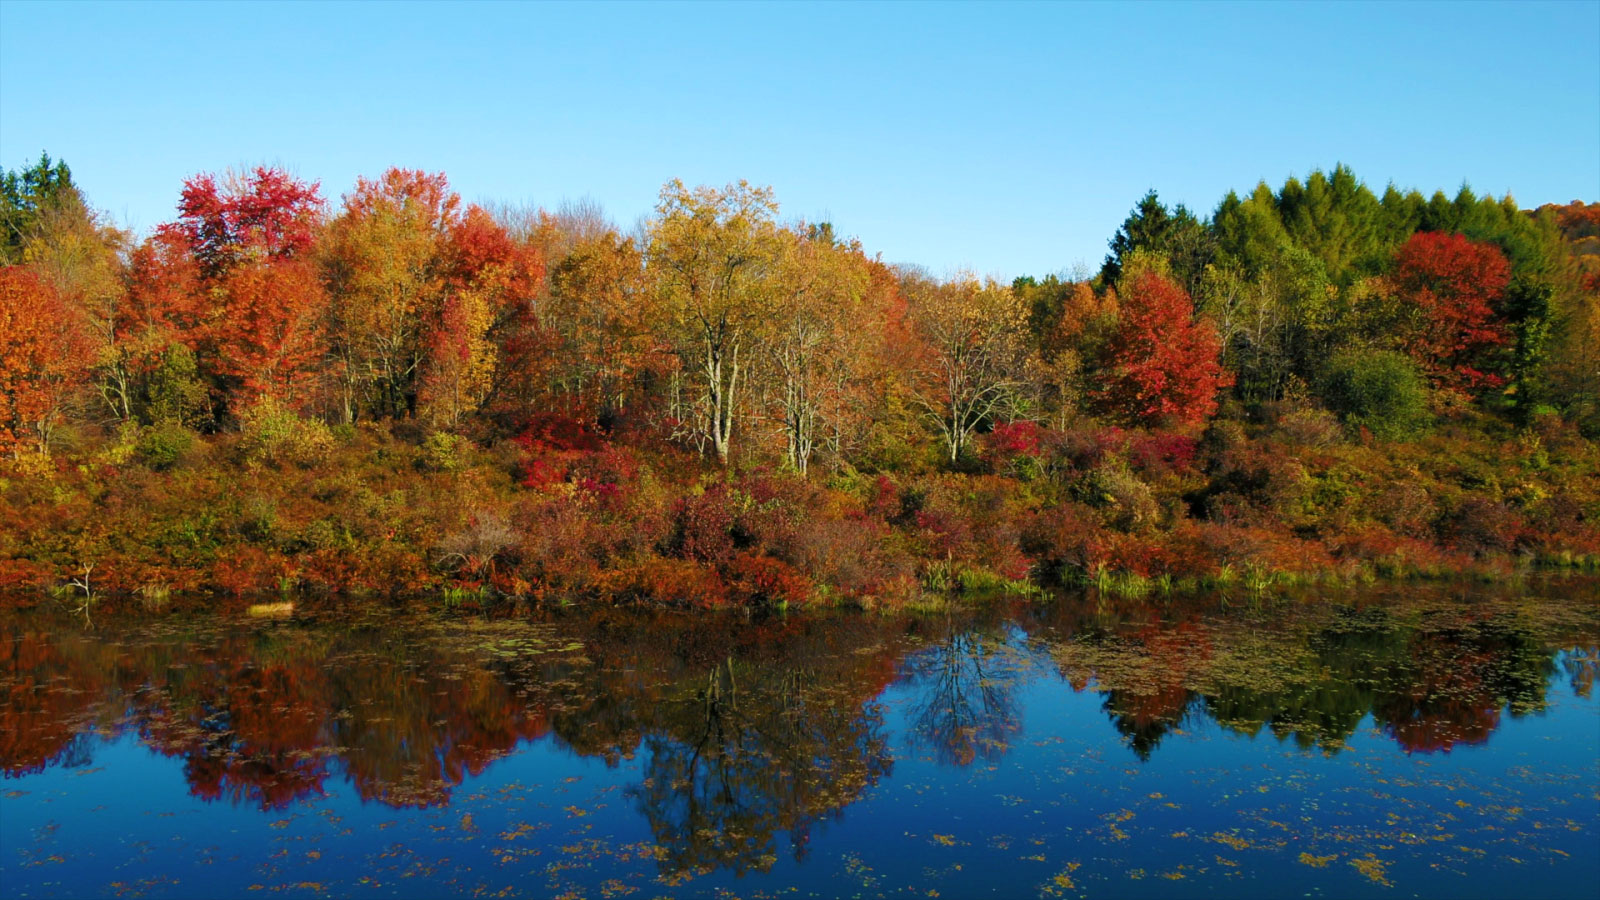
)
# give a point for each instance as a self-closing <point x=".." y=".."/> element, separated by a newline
<point x="398" y="393"/>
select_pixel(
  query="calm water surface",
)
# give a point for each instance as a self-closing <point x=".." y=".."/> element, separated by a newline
<point x="1402" y="741"/>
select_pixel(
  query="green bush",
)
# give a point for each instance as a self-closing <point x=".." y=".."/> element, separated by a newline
<point x="1379" y="390"/>
<point x="273" y="435"/>
<point x="174" y="391"/>
<point x="161" y="447"/>
<point x="443" y="451"/>
<point x="1129" y="502"/>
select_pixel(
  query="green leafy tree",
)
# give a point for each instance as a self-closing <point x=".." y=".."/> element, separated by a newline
<point x="1382" y="391"/>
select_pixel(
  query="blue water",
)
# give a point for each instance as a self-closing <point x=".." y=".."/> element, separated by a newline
<point x="853" y="756"/>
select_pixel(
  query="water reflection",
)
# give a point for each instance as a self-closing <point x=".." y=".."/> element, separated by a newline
<point x="755" y="750"/>
<point x="1434" y="671"/>
<point x="751" y="733"/>
<point x="965" y="681"/>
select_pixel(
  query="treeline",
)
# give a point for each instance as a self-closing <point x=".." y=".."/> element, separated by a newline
<point x="283" y="325"/>
<point x="719" y="326"/>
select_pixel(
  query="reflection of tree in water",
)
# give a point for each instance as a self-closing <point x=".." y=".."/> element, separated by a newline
<point x="1328" y="679"/>
<point x="1431" y="679"/>
<point x="966" y="706"/>
<point x="248" y="732"/>
<point x="1150" y="697"/>
<point x="1143" y="719"/>
<point x="755" y="750"/>
<point x="257" y="715"/>
<point x="1434" y="672"/>
<point x="752" y="729"/>
<point x="413" y="724"/>
<point x="47" y="698"/>
<point x="1582" y="664"/>
<point x="1454" y="680"/>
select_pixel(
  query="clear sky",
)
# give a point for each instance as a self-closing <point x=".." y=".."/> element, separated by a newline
<point x="1008" y="139"/>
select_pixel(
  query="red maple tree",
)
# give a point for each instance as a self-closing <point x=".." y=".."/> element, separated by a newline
<point x="1450" y="289"/>
<point x="232" y="279"/>
<point x="1162" y="364"/>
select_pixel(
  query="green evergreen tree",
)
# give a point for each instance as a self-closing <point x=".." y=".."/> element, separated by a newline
<point x="1177" y="234"/>
<point x="24" y="195"/>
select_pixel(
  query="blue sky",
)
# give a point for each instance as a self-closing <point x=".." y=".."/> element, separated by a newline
<point x="1008" y="139"/>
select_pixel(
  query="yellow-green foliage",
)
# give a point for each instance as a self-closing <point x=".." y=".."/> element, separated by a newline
<point x="272" y="434"/>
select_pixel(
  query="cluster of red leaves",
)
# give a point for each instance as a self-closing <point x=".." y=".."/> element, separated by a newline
<point x="232" y="279"/>
<point x="1163" y="364"/>
<point x="1374" y="543"/>
<point x="1455" y="286"/>
<point x="703" y="527"/>
<point x="1010" y="440"/>
<point x="559" y="449"/>
<point x="762" y="580"/>
<point x="664" y="581"/>
<point x="267" y="212"/>
<point x="1163" y="452"/>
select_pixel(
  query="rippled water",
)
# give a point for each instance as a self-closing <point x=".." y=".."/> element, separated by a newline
<point x="1439" y="741"/>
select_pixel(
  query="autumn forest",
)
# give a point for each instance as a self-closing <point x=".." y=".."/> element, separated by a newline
<point x="392" y="392"/>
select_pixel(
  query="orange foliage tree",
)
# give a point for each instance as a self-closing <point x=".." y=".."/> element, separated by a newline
<point x="44" y="359"/>
<point x="485" y="328"/>
<point x="600" y="314"/>
<point x="424" y="297"/>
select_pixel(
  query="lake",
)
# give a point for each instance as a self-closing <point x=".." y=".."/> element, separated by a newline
<point x="1398" y="740"/>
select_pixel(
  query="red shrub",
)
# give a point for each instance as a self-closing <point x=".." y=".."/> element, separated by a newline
<point x="1480" y="526"/>
<point x="609" y="475"/>
<point x="1266" y="549"/>
<point x="944" y="531"/>
<point x="1061" y="540"/>
<point x="1132" y="553"/>
<point x="21" y="573"/>
<point x="561" y="433"/>
<point x="247" y="569"/>
<point x="1377" y="544"/>
<point x="884" y="502"/>
<point x="1010" y="441"/>
<point x="1010" y="562"/>
<point x="703" y="526"/>
<point x="777" y="509"/>
<point x="854" y="558"/>
<point x="1162" y="452"/>
<point x="762" y="580"/>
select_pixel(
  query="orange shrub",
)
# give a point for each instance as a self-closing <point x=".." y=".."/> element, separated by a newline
<point x="666" y="582"/>
<point x="764" y="581"/>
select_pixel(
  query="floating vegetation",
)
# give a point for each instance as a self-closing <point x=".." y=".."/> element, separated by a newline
<point x="1373" y="869"/>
